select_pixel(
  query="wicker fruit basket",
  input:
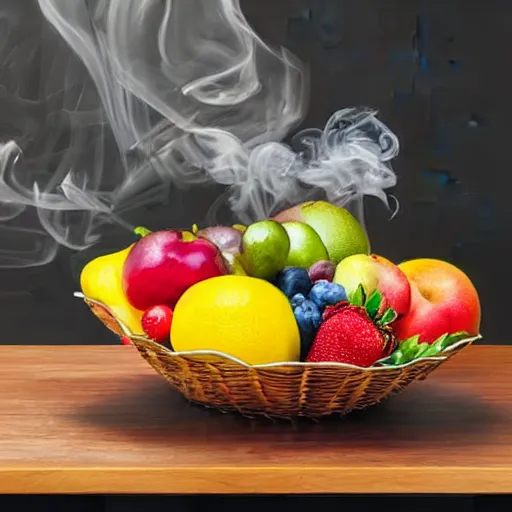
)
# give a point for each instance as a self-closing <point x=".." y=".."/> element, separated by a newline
<point x="281" y="391"/>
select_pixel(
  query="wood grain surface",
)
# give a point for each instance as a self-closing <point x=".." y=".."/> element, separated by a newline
<point x="99" y="420"/>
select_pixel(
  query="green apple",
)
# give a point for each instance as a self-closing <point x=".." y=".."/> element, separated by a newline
<point x="306" y="246"/>
<point x="354" y="270"/>
<point x="375" y="272"/>
<point x="265" y="247"/>
<point x="338" y="229"/>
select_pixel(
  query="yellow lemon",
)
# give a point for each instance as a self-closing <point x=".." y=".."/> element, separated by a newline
<point x="245" y="317"/>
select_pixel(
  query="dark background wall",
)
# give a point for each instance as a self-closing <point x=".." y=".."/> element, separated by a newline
<point x="438" y="72"/>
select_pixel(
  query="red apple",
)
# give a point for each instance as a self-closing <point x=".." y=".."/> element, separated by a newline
<point x="393" y="284"/>
<point x="163" y="265"/>
<point x="443" y="300"/>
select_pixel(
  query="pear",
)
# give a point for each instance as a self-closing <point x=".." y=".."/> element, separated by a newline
<point x="101" y="280"/>
<point x="306" y="246"/>
<point x="265" y="247"/>
<point x="339" y="230"/>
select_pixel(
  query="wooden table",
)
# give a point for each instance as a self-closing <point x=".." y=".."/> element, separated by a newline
<point x="99" y="420"/>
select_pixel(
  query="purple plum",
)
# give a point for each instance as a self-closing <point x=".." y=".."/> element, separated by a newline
<point x="322" y="270"/>
<point x="226" y="238"/>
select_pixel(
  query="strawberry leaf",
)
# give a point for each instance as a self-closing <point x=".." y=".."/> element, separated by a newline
<point x="373" y="303"/>
<point x="387" y="317"/>
<point x="358" y="297"/>
<point x="411" y="349"/>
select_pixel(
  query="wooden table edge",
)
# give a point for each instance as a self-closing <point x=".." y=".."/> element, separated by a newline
<point x="258" y="480"/>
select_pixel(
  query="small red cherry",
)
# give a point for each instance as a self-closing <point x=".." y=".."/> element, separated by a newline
<point x="156" y="323"/>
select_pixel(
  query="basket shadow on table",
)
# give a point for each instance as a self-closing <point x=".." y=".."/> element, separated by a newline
<point x="148" y="410"/>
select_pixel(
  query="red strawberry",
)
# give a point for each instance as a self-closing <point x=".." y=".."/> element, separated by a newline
<point x="156" y="322"/>
<point x="348" y="335"/>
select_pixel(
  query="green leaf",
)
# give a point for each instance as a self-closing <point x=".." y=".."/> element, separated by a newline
<point x="394" y="359"/>
<point x="402" y="353"/>
<point x="141" y="231"/>
<point x="435" y="348"/>
<point x="410" y="349"/>
<point x="422" y="351"/>
<point x="387" y="317"/>
<point x="373" y="303"/>
<point x="358" y="297"/>
<point x="454" y="338"/>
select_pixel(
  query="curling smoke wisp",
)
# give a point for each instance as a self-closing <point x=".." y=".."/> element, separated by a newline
<point x="106" y="104"/>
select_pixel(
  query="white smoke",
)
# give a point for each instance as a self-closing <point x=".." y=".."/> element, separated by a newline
<point x="189" y="93"/>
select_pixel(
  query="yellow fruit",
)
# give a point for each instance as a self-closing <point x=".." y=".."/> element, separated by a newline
<point x="100" y="280"/>
<point x="245" y="317"/>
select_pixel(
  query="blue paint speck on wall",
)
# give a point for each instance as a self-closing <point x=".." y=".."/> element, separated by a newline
<point x="420" y="42"/>
<point x="454" y="64"/>
<point x="441" y="176"/>
<point x="401" y="96"/>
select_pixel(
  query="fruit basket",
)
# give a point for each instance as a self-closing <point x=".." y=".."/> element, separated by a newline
<point x="282" y="390"/>
<point x="283" y="318"/>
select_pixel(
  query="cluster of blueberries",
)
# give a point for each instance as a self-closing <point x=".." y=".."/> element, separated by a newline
<point x="308" y="300"/>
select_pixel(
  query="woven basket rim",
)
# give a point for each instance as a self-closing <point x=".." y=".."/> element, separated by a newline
<point x="284" y="364"/>
<point x="302" y="364"/>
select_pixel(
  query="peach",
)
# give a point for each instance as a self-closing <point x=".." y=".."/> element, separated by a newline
<point x="443" y="300"/>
